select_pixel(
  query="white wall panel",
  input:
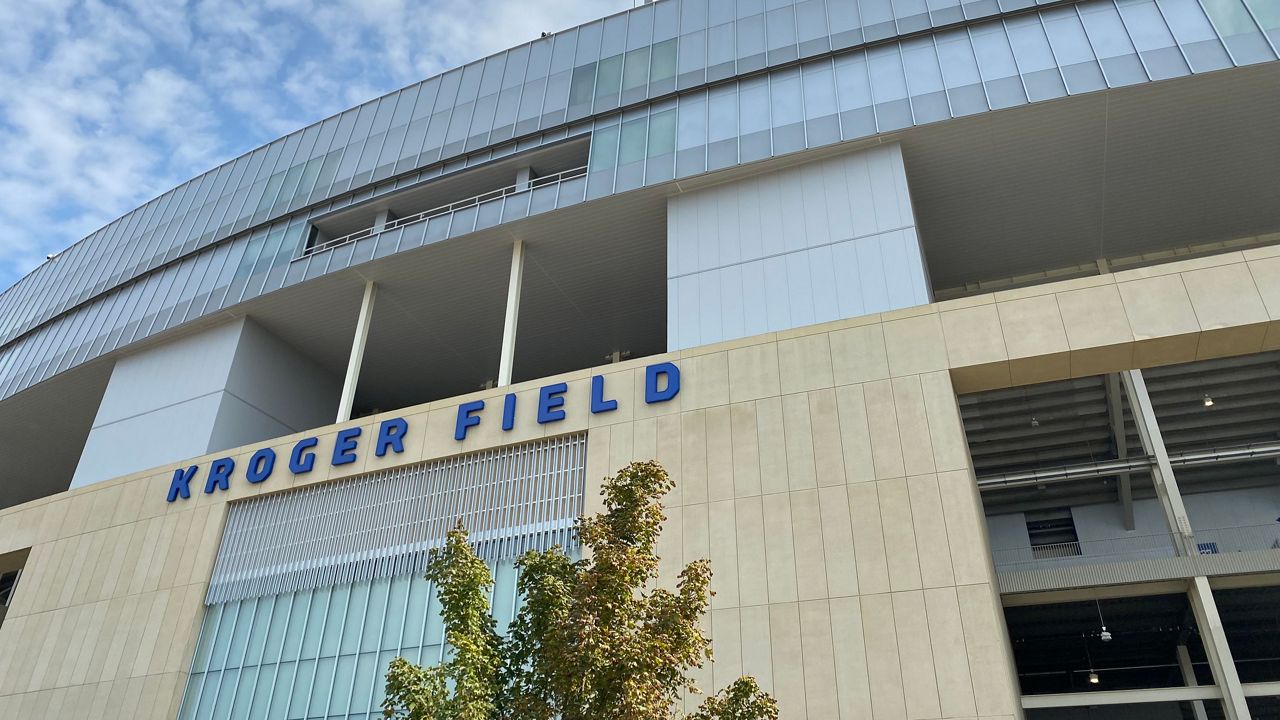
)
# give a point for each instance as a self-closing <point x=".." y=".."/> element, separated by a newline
<point x="810" y="244"/>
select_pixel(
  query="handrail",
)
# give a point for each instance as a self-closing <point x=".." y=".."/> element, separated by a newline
<point x="534" y="183"/>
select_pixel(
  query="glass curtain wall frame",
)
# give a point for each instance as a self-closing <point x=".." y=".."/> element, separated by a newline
<point x="315" y="591"/>
<point x="989" y="65"/>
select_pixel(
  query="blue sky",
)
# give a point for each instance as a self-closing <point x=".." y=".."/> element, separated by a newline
<point x="104" y="105"/>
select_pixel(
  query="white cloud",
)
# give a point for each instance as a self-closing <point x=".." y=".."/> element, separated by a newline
<point x="104" y="105"/>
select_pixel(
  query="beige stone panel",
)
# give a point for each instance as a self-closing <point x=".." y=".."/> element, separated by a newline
<point x="108" y="542"/>
<point x="51" y="521"/>
<point x="106" y="642"/>
<point x="1271" y="341"/>
<point x="966" y="527"/>
<point x="81" y="624"/>
<point x="951" y="662"/>
<point x="131" y="495"/>
<point x="859" y="355"/>
<point x="915" y="345"/>
<point x="54" y="626"/>
<point x="1163" y="321"/>
<point x="973" y="336"/>
<point x="598" y="441"/>
<point x="918" y="679"/>
<point x="719" y="454"/>
<point x="76" y="513"/>
<point x="1266" y="277"/>
<point x="988" y="647"/>
<point x="668" y="444"/>
<point x="195" y="532"/>
<point x="757" y="652"/>
<point x="670" y="547"/>
<point x="884" y="666"/>
<point x="753" y="372"/>
<point x="946" y="430"/>
<point x="913" y="426"/>
<point x="727" y="665"/>
<point x="621" y="447"/>
<point x="824" y="421"/>
<point x="103" y="507"/>
<point x="779" y="548"/>
<point x="695" y="533"/>
<point x="868" y="538"/>
<point x="704" y="381"/>
<point x="186" y="631"/>
<point x="141" y="551"/>
<point x="1032" y="326"/>
<point x="723" y="544"/>
<point x="798" y="434"/>
<point x="855" y="435"/>
<point x="882" y="421"/>
<point x="853" y="684"/>
<point x="1101" y="360"/>
<point x="439" y="440"/>
<point x="202" y="565"/>
<point x="164" y="547"/>
<point x="135" y="626"/>
<point x="1032" y="370"/>
<point x="806" y="526"/>
<point x="753" y="580"/>
<point x="159" y="617"/>
<point x="899" y="534"/>
<point x="804" y="363"/>
<point x="94" y="630"/>
<point x="45" y="576"/>
<point x="1225" y="296"/>
<point x="819" y="660"/>
<point x="788" y="660"/>
<point x="773" y="445"/>
<point x="1094" y="317"/>
<point x="693" y="457"/>
<point x="11" y="635"/>
<point x="645" y="435"/>
<point x="988" y="376"/>
<point x="77" y="552"/>
<point x="746" y="449"/>
<point x="931" y="531"/>
<point x="837" y="541"/>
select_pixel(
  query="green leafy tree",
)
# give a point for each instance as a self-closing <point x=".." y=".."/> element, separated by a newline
<point x="594" y="638"/>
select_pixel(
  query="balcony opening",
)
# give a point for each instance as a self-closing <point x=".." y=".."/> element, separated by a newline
<point x="11" y="565"/>
<point x="1052" y="533"/>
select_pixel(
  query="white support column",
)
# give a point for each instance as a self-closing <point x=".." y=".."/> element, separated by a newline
<point x="513" y="314"/>
<point x="523" y="177"/>
<point x="1116" y="412"/>
<point x="1166" y="487"/>
<point x="357" y="354"/>
<point x="381" y="220"/>
<point x="1216" y="649"/>
<point x="1189" y="678"/>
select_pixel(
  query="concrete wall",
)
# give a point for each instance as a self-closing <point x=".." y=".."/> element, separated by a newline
<point x="823" y="241"/>
<point x="823" y="471"/>
<point x="223" y="387"/>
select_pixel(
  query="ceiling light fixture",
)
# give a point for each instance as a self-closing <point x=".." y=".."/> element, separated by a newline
<point x="1035" y="422"/>
<point x="1093" y="678"/>
<point x="1208" y="401"/>
<point x="1105" y="635"/>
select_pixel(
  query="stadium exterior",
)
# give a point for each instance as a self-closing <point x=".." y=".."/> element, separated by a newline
<point x="957" y="324"/>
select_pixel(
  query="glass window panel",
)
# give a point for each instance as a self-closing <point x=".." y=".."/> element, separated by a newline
<point x="517" y="62"/>
<point x="666" y="21"/>
<point x="995" y="56"/>
<point x="923" y="74"/>
<point x="662" y="133"/>
<point x="563" y="51"/>
<point x="663" y="64"/>
<point x="692" y="126"/>
<point x="751" y="41"/>
<point x="785" y="96"/>
<point x="1194" y="34"/>
<point x="753" y="106"/>
<point x="1030" y="46"/>
<point x="747" y="8"/>
<point x="589" y="43"/>
<point x="530" y="101"/>
<point x="720" y="50"/>
<point x="640" y="27"/>
<point x="491" y="78"/>
<point x="877" y="19"/>
<point x="780" y="28"/>
<point x="722" y="113"/>
<point x="819" y="89"/>
<point x="631" y="145"/>
<point x="582" y="86"/>
<point x="604" y="148"/>
<point x="469" y="86"/>
<point x="720" y="11"/>
<point x="614" y="39"/>
<point x="811" y="25"/>
<point x="846" y="23"/>
<point x="635" y="73"/>
<point x="693" y="53"/>
<point x="693" y="15"/>
<point x="609" y="77"/>
<point x="1111" y="42"/>
<point x="404" y="106"/>
<point x="853" y="90"/>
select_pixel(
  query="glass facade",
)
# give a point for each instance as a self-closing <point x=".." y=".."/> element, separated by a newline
<point x="234" y="232"/>
<point x="315" y="591"/>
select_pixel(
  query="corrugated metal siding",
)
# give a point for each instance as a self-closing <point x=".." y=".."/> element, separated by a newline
<point x="514" y="499"/>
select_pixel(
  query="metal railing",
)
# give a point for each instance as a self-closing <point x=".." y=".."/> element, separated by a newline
<point x="1209" y="541"/>
<point x="500" y="193"/>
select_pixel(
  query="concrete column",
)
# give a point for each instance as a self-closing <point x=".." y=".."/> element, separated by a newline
<point x="513" y="315"/>
<point x="380" y="221"/>
<point x="523" y="176"/>
<point x="1166" y="486"/>
<point x="1189" y="677"/>
<point x="357" y="354"/>
<point x="1214" y="638"/>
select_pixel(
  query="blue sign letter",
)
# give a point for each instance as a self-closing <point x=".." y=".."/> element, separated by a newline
<point x="391" y="435"/>
<point x="301" y="461"/>
<point x="598" y="403"/>
<point x="509" y="411"/>
<point x="261" y="465"/>
<point x="344" y="446"/>
<point x="651" y="392"/>
<point x="551" y="403"/>
<point x="181" y="483"/>
<point x="220" y="474"/>
<point x="467" y="418"/>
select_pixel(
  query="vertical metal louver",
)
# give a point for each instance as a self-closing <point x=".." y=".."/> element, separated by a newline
<point x="524" y="497"/>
